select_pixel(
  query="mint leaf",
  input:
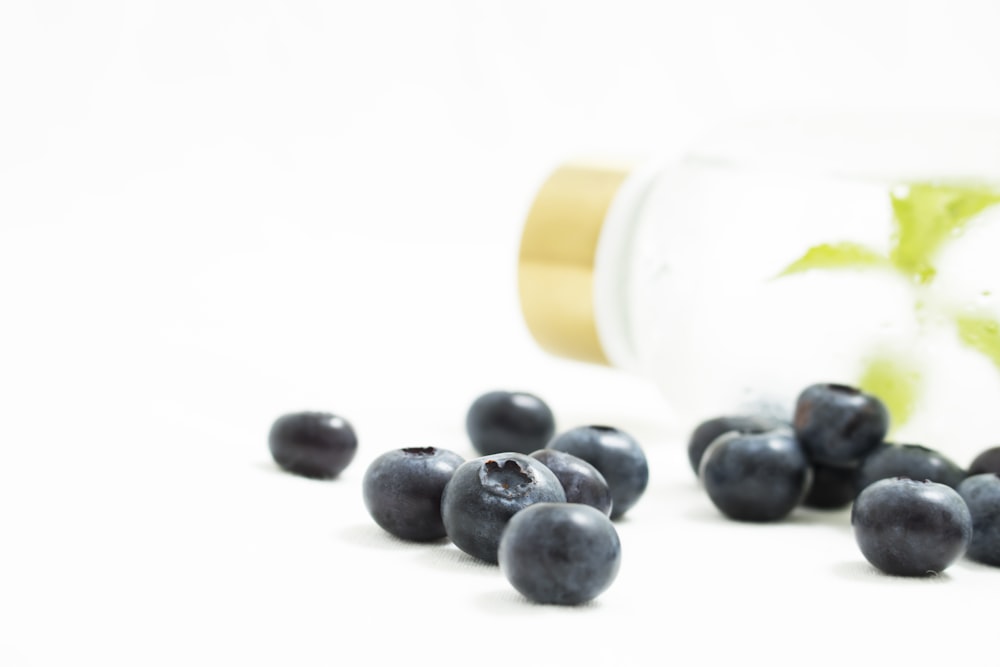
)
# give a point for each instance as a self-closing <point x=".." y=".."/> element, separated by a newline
<point x="837" y="256"/>
<point x="896" y="380"/>
<point x="926" y="216"/>
<point x="982" y="334"/>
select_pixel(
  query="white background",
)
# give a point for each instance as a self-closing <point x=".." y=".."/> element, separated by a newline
<point x="212" y="213"/>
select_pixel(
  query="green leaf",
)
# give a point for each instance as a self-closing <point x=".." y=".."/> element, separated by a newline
<point x="926" y="216"/>
<point x="896" y="380"/>
<point x="837" y="256"/>
<point x="982" y="334"/>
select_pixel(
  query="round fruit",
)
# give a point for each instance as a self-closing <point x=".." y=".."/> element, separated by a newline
<point x="582" y="482"/>
<point x="484" y="493"/>
<point x="755" y="477"/>
<point x="710" y="429"/>
<point x="402" y="491"/>
<point x="838" y="425"/>
<point x="616" y="454"/>
<point x="911" y="528"/>
<point x="982" y="494"/>
<point x="313" y="444"/>
<point x="504" y="421"/>
<point x="560" y="553"/>
<point x="912" y="461"/>
<point x="987" y="461"/>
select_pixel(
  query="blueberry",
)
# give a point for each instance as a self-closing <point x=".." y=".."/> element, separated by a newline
<point x="484" y="493"/>
<point x="560" y="553"/>
<point x="987" y="461"/>
<point x="582" y="482"/>
<point x="982" y="494"/>
<point x="838" y="425"/>
<point x="707" y="431"/>
<point x="756" y="476"/>
<point x="832" y="488"/>
<point x="911" y="528"/>
<point x="616" y="454"/>
<point x="313" y="444"/>
<point x="402" y="491"/>
<point x="504" y="421"/>
<point x="912" y="461"/>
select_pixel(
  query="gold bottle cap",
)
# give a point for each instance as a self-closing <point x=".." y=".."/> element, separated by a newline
<point x="556" y="262"/>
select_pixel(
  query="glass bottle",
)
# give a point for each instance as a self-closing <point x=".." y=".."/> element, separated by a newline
<point x="734" y="283"/>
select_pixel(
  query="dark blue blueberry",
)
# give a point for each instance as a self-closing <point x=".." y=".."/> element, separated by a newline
<point x="402" y="491"/>
<point x="757" y="476"/>
<point x="838" y="425"/>
<point x="987" y="461"/>
<point x="504" y="421"/>
<point x="313" y="444"/>
<point x="582" y="482"/>
<point x="560" y="553"/>
<point x="616" y="454"/>
<point x="982" y="494"/>
<point x="710" y="429"/>
<point x="832" y="488"/>
<point x="911" y="528"/>
<point x="707" y="431"/>
<point x="484" y="493"/>
<point x="912" y="461"/>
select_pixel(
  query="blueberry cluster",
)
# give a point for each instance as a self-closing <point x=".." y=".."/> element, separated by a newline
<point x="537" y="503"/>
<point x="914" y="511"/>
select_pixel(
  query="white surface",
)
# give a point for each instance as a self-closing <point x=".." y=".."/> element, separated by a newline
<point x="212" y="213"/>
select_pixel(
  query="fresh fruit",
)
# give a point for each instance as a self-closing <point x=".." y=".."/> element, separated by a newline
<point x="838" y="425"/>
<point x="982" y="494"/>
<point x="987" y="461"/>
<point x="484" y="493"/>
<point x="755" y="477"/>
<point x="402" y="491"/>
<point x="504" y="421"/>
<point x="911" y="528"/>
<point x="616" y="454"/>
<point x="313" y="444"/>
<point x="832" y="488"/>
<point x="560" y="553"/>
<point x="710" y="429"/>
<point x="582" y="482"/>
<point x="906" y="460"/>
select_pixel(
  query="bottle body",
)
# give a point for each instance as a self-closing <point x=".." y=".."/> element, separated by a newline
<point x="735" y="287"/>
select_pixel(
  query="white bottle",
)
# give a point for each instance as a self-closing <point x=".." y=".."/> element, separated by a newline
<point x="734" y="284"/>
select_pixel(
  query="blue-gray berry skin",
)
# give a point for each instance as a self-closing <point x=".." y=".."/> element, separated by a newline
<point x="839" y="425"/>
<point x="582" y="482"/>
<point x="831" y="488"/>
<point x="402" y="491"/>
<point x="755" y="477"/>
<point x="484" y="493"/>
<point x="911" y="528"/>
<point x="506" y="421"/>
<point x="906" y="460"/>
<point x="560" y="553"/>
<point x="707" y="431"/>
<point x="616" y="454"/>
<point x="313" y="444"/>
<point x="982" y="494"/>
<point x="987" y="461"/>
